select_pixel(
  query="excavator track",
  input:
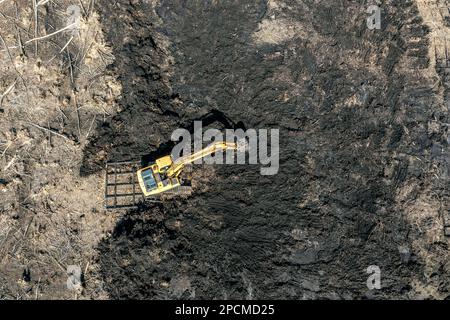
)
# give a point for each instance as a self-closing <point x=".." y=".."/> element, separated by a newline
<point x="122" y="189"/>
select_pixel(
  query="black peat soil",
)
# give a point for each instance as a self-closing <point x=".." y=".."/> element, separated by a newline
<point x="353" y="123"/>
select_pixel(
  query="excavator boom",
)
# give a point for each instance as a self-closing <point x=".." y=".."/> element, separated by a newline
<point x="179" y="164"/>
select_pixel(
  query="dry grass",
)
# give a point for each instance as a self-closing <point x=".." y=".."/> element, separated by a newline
<point x="54" y="90"/>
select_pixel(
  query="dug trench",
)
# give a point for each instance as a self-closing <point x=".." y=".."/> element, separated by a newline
<point x="353" y="107"/>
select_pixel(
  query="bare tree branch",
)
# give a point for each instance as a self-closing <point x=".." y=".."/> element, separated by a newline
<point x="49" y="130"/>
<point x="52" y="34"/>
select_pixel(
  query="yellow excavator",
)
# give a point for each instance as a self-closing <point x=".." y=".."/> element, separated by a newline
<point x="163" y="175"/>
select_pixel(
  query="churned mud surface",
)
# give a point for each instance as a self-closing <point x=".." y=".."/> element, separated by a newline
<point x="363" y="176"/>
<point x="361" y="149"/>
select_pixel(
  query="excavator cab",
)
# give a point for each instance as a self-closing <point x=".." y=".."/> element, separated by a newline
<point x="154" y="180"/>
<point x="149" y="180"/>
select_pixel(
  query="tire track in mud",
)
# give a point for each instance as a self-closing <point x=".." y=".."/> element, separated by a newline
<point x="352" y="122"/>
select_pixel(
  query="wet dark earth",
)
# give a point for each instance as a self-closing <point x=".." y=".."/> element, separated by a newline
<point x="353" y="110"/>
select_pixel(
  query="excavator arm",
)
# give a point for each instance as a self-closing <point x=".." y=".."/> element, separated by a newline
<point x="178" y="165"/>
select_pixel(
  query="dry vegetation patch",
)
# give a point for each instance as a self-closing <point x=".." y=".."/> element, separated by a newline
<point x="54" y="89"/>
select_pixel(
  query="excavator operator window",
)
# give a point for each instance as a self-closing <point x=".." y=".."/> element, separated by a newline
<point x="149" y="180"/>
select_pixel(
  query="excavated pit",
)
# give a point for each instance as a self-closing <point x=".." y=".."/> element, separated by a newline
<point x="353" y="107"/>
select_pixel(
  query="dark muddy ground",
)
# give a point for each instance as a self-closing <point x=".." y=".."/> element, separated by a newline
<point x="353" y="109"/>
